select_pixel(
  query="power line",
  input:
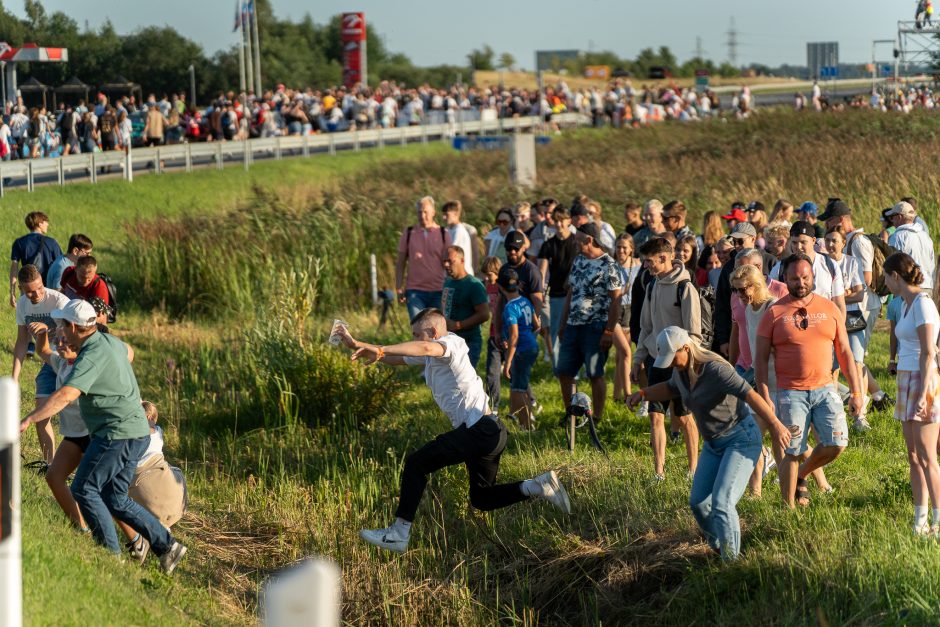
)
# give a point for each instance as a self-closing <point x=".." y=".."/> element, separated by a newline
<point x="732" y="43"/>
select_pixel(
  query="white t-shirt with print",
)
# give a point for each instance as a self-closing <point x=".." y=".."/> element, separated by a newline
<point x="826" y="283"/>
<point x="27" y="312"/>
<point x="920" y="312"/>
<point x="455" y="385"/>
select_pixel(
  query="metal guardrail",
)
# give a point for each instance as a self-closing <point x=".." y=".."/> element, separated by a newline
<point x="87" y="167"/>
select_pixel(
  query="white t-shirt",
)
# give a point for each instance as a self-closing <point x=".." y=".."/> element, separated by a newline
<point x="461" y="237"/>
<point x="497" y="242"/>
<point x="27" y="312"/>
<point x="861" y="248"/>
<point x="922" y="311"/>
<point x="826" y="284"/>
<point x="155" y="447"/>
<point x="455" y="385"/>
<point x="851" y="277"/>
<point x="71" y="424"/>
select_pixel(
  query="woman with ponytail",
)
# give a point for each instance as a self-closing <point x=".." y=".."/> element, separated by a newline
<point x="721" y="402"/>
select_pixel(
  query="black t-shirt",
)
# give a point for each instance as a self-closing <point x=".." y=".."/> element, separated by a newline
<point x="632" y="230"/>
<point x="560" y="254"/>
<point x="530" y="279"/>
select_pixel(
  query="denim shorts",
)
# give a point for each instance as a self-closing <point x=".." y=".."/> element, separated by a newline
<point x="581" y="346"/>
<point x="521" y="370"/>
<point x="821" y="408"/>
<point x="45" y="381"/>
<point x="857" y="344"/>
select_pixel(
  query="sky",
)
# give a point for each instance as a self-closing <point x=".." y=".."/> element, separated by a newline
<point x="430" y="32"/>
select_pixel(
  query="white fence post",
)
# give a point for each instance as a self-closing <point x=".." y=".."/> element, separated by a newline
<point x="218" y="155"/>
<point x="128" y="165"/>
<point x="247" y="154"/>
<point x="61" y="171"/>
<point x="29" y="175"/>
<point x="189" y="157"/>
<point x="304" y="595"/>
<point x="93" y="177"/>
<point x="11" y="573"/>
<point x="332" y="145"/>
<point x="306" y="151"/>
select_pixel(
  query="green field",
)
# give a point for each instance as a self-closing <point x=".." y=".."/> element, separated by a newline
<point x="257" y="410"/>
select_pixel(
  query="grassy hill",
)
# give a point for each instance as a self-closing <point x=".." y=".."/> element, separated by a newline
<point x="258" y="413"/>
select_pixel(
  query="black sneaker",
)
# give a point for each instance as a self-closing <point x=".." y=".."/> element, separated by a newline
<point x="40" y="467"/>
<point x="675" y="437"/>
<point x="886" y="402"/>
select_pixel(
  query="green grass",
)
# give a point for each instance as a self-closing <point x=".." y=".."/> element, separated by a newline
<point x="263" y="496"/>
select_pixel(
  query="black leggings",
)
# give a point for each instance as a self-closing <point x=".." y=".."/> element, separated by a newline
<point x="479" y="447"/>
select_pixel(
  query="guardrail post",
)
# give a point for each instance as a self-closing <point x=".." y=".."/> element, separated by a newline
<point x="246" y="154"/>
<point x="2" y="186"/>
<point x="61" y="172"/>
<point x="189" y="157"/>
<point x="381" y="143"/>
<point x="306" y="144"/>
<point x="404" y="139"/>
<point x="277" y="148"/>
<point x="332" y="145"/>
<point x="128" y="165"/>
<point x="93" y="177"/>
<point x="157" y="166"/>
<point x="356" y="146"/>
<point x="424" y="134"/>
<point x="29" y="175"/>
<point x="218" y="155"/>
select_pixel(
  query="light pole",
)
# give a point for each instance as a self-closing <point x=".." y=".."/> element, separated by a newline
<point x="192" y="86"/>
<point x="874" y="65"/>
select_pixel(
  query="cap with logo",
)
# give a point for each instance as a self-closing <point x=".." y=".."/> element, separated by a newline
<point x="802" y="227"/>
<point x="77" y="311"/>
<point x="836" y="208"/>
<point x="669" y="342"/>
<point x="515" y="240"/>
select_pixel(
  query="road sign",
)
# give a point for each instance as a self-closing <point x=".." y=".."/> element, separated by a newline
<point x="829" y="71"/>
<point x="886" y="70"/>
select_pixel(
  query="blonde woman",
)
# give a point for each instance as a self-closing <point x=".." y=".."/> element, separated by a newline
<point x="712" y="230"/>
<point x="722" y="403"/>
<point x="783" y="211"/>
<point x="758" y="220"/>
<point x="629" y="267"/>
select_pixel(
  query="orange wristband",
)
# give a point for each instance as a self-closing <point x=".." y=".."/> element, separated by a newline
<point x="379" y="353"/>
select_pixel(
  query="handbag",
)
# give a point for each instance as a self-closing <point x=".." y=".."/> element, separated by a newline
<point x="854" y="322"/>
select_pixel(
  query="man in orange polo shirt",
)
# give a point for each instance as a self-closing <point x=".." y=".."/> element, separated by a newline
<point x="802" y="329"/>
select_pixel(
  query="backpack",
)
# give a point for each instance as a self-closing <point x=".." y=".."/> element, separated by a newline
<point x="881" y="251"/>
<point x="112" y="295"/>
<point x="706" y="300"/>
<point x="830" y="265"/>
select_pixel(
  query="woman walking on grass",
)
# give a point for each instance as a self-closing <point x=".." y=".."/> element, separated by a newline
<point x="629" y="267"/>
<point x="721" y="402"/>
<point x="918" y="404"/>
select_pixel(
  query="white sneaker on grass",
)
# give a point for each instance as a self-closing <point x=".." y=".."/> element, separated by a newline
<point x="171" y="558"/>
<point x="553" y="491"/>
<point x="643" y="410"/>
<point x="861" y="424"/>
<point x="769" y="462"/>
<point x="389" y="538"/>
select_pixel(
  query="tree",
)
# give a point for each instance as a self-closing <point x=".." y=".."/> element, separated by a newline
<point x="506" y="61"/>
<point x="481" y="59"/>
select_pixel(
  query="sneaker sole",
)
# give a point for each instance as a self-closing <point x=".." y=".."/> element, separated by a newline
<point x="381" y="545"/>
<point x="560" y="490"/>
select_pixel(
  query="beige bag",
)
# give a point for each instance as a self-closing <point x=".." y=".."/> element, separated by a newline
<point x="159" y="490"/>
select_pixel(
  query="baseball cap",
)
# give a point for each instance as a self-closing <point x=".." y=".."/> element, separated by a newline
<point x="742" y="230"/>
<point x="514" y="240"/>
<point x="669" y="341"/>
<point x="737" y="204"/>
<point x="808" y="207"/>
<point x="904" y="209"/>
<point x="589" y="228"/>
<point x="508" y="279"/>
<point x="755" y="205"/>
<point x="802" y="227"/>
<point x="736" y="214"/>
<point x="77" y="311"/>
<point x="579" y="210"/>
<point x="835" y="209"/>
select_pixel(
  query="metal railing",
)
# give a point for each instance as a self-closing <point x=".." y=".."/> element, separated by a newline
<point x="87" y="167"/>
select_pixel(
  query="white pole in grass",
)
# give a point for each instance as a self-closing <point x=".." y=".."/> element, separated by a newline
<point x="11" y="578"/>
<point x="304" y="595"/>
<point x="373" y="278"/>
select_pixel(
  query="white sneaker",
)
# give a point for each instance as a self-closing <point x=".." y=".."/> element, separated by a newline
<point x="535" y="409"/>
<point x="171" y="558"/>
<point x="861" y="424"/>
<point x="389" y="538"/>
<point x="769" y="462"/>
<point x="553" y="491"/>
<point x="644" y="410"/>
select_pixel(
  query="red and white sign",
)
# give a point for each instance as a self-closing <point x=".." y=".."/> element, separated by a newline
<point x="353" y="37"/>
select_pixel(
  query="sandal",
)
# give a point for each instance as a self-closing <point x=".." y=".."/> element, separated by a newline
<point x="801" y="494"/>
<point x="39" y="467"/>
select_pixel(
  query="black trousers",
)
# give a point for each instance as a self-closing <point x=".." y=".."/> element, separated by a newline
<point x="479" y="448"/>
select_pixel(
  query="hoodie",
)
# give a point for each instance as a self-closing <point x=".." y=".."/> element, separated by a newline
<point x="914" y="240"/>
<point x="660" y="310"/>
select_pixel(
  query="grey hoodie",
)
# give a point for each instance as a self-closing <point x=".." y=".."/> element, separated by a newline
<point x="660" y="311"/>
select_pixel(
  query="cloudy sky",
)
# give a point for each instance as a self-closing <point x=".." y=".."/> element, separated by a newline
<point x="439" y="31"/>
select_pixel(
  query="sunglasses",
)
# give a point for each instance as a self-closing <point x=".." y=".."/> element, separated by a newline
<point x="804" y="323"/>
<point x="739" y="290"/>
<point x="503" y="221"/>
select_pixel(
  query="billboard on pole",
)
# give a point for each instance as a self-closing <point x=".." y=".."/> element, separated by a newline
<point x="353" y="38"/>
<point x="821" y="58"/>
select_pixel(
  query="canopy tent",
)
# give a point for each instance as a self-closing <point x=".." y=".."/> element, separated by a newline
<point x="33" y="86"/>
<point x="121" y="86"/>
<point x="75" y="88"/>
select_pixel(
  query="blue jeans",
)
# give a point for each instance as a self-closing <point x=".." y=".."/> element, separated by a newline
<point x="724" y="467"/>
<point x="556" y="309"/>
<point x="100" y="489"/>
<point x="474" y="342"/>
<point x="820" y="408"/>
<point x="494" y="369"/>
<point x="581" y="346"/>
<point x="416" y="300"/>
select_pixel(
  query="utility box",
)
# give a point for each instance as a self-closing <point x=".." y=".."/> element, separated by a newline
<point x="522" y="160"/>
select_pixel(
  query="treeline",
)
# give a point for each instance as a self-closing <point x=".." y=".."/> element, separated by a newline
<point x="294" y="53"/>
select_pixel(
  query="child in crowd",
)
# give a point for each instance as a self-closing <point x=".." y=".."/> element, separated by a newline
<point x="494" y="351"/>
<point x="520" y="326"/>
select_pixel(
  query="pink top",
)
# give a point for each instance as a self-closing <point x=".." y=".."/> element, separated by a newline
<point x="778" y="290"/>
<point x="425" y="250"/>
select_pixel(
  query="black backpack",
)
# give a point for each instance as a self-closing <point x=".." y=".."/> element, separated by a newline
<point x="706" y="299"/>
<point x="112" y="295"/>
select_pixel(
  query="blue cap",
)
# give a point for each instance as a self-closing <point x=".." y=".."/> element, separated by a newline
<point x="809" y="207"/>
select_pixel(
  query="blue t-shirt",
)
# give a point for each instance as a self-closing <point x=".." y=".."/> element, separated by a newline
<point x="893" y="313"/>
<point x="37" y="249"/>
<point x="519" y="311"/>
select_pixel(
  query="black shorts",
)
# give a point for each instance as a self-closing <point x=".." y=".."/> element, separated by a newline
<point x="661" y="375"/>
<point x="81" y="442"/>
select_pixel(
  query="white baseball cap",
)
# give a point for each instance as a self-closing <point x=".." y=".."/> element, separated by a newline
<point x="77" y="311"/>
<point x="669" y="341"/>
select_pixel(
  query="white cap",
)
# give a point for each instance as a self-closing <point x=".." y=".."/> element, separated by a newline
<point x="904" y="209"/>
<point x="77" y="311"/>
<point x="669" y="341"/>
